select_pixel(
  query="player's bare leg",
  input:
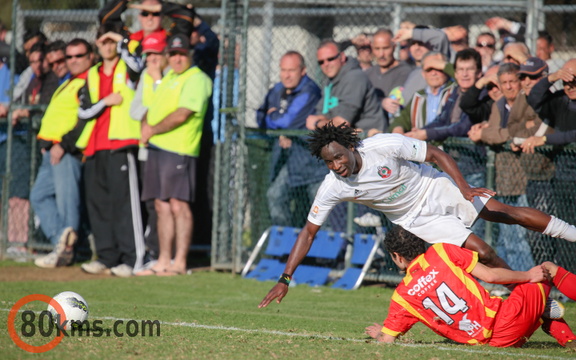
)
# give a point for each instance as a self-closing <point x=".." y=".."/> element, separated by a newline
<point x="486" y="255"/>
<point x="529" y="218"/>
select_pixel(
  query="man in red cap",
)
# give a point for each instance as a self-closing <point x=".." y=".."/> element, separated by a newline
<point x="172" y="130"/>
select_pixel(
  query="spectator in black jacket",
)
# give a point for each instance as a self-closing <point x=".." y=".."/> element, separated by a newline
<point x="559" y="108"/>
<point x="477" y="101"/>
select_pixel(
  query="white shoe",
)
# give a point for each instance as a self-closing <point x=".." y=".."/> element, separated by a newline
<point x="48" y="261"/>
<point x="554" y="310"/>
<point x="65" y="247"/>
<point x="122" y="270"/>
<point x="368" y="219"/>
<point x="95" y="267"/>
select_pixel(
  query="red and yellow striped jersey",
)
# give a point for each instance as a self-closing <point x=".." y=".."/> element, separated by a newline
<point x="439" y="291"/>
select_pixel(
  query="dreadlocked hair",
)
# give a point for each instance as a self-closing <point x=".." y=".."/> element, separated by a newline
<point x="404" y="243"/>
<point x="321" y="137"/>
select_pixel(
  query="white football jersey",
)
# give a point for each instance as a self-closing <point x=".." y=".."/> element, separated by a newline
<point x="388" y="181"/>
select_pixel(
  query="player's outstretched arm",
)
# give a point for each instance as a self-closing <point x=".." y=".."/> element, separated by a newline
<point x="299" y="251"/>
<point x="449" y="166"/>
<point x="505" y="276"/>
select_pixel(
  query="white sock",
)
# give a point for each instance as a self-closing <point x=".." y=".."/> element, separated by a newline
<point x="560" y="229"/>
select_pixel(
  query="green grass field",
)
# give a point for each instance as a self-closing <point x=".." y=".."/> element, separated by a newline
<point x="211" y="315"/>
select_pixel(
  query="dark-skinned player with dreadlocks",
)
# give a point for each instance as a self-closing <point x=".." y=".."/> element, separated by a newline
<point x="387" y="173"/>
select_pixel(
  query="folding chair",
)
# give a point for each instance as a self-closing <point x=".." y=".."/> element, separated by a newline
<point x="280" y="242"/>
<point x="327" y="245"/>
<point x="365" y="246"/>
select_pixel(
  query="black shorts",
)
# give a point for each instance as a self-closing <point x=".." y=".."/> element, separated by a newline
<point x="169" y="176"/>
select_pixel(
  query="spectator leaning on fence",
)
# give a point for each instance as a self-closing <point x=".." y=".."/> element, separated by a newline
<point x="349" y="96"/>
<point x="427" y="104"/>
<point x="452" y="121"/>
<point x="558" y="109"/>
<point x="511" y="113"/>
<point x="477" y="101"/>
<point x="286" y="106"/>
<point x="55" y="196"/>
<point x="173" y="131"/>
<point x="110" y="139"/>
<point x="386" y="172"/>
<point x="470" y="316"/>
<point x="38" y="91"/>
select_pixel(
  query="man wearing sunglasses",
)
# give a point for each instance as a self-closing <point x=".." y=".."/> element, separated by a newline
<point x="349" y="96"/>
<point x="486" y="46"/>
<point x="55" y="196"/>
<point x="56" y="57"/>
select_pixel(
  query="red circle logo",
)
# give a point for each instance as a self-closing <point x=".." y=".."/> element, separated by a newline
<point x="12" y="328"/>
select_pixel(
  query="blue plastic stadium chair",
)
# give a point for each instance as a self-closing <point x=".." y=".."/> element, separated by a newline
<point x="311" y="275"/>
<point x="327" y="245"/>
<point x="280" y="241"/>
<point x="365" y="246"/>
<point x="267" y="269"/>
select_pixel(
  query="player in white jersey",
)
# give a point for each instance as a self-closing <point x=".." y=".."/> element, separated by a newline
<point x="381" y="172"/>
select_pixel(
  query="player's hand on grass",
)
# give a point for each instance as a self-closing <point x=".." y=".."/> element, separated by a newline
<point x="373" y="330"/>
<point x="278" y="292"/>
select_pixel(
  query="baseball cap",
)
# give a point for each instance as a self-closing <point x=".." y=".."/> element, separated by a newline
<point x="154" y="43"/>
<point x="533" y="66"/>
<point x="178" y="43"/>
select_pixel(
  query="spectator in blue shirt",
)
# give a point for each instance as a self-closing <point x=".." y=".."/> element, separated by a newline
<point x="286" y="106"/>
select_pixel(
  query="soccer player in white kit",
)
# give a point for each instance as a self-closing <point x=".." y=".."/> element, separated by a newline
<point x="386" y="173"/>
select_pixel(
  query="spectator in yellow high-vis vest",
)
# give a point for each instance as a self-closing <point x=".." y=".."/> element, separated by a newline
<point x="110" y="139"/>
<point x="56" y="194"/>
<point x="172" y="130"/>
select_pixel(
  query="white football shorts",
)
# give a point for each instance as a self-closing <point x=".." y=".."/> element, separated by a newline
<point x="446" y="216"/>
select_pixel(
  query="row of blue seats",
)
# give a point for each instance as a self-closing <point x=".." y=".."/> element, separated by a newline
<point x="327" y="245"/>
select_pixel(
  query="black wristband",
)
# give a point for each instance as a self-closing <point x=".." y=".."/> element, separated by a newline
<point x="285" y="279"/>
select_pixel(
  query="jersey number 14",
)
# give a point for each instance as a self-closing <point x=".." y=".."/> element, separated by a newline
<point x="450" y="304"/>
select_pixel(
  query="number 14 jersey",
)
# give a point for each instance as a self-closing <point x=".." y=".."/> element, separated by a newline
<point x="439" y="291"/>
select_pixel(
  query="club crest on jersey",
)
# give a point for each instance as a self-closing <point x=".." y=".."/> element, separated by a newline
<point x="384" y="172"/>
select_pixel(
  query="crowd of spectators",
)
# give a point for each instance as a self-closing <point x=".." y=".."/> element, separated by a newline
<point x="127" y="121"/>
<point x="503" y="98"/>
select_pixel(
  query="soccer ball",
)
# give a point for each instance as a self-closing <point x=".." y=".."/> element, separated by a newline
<point x="74" y="306"/>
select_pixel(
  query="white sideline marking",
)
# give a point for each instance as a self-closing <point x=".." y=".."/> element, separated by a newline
<point x="463" y="348"/>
